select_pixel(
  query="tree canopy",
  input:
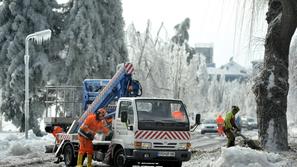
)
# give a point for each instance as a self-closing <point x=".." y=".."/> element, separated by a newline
<point x="87" y="42"/>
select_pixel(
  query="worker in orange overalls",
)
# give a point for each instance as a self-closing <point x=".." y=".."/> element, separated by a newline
<point x="220" y="123"/>
<point x="93" y="124"/>
<point x="56" y="130"/>
<point x="178" y="115"/>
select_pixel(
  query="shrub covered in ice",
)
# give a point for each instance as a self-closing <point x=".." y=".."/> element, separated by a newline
<point x="19" y="149"/>
<point x="12" y="137"/>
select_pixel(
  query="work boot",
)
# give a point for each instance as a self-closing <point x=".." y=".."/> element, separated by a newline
<point x="79" y="160"/>
<point x="59" y="159"/>
<point x="90" y="157"/>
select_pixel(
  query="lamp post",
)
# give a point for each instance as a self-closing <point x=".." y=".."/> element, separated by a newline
<point x="39" y="37"/>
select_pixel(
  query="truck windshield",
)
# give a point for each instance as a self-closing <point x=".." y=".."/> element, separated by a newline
<point x="156" y="114"/>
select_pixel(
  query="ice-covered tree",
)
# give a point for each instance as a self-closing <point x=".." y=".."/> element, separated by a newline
<point x="201" y="104"/>
<point x="271" y="88"/>
<point x="292" y="94"/>
<point x="94" y="40"/>
<point x="194" y="87"/>
<point x="162" y="69"/>
<point x="181" y="32"/>
<point x="92" y="45"/>
<point x="181" y="37"/>
<point x="19" y="18"/>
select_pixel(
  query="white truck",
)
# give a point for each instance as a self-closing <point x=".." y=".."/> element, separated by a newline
<point x="144" y="133"/>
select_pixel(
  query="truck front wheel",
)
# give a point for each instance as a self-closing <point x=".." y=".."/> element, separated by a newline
<point x="119" y="159"/>
<point x="69" y="158"/>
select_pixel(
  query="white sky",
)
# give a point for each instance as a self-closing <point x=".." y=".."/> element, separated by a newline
<point x="208" y="21"/>
<point x="212" y="21"/>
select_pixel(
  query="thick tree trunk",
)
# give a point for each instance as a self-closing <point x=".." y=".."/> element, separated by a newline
<point x="271" y="87"/>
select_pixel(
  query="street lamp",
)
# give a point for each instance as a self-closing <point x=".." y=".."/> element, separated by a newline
<point x="39" y="37"/>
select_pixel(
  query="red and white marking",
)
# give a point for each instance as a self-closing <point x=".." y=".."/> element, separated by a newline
<point x="165" y="135"/>
<point x="129" y="68"/>
<point x="64" y="136"/>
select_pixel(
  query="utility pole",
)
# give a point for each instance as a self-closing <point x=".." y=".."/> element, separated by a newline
<point x="39" y="37"/>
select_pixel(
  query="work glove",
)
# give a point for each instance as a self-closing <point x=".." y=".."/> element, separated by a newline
<point x="90" y="136"/>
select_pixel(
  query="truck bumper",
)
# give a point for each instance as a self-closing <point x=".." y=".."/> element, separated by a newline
<point x="154" y="155"/>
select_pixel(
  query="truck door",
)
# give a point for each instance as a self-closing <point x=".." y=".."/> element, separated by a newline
<point x="124" y="130"/>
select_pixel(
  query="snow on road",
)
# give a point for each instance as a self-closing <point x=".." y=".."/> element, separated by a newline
<point x="207" y="141"/>
<point x="208" y="151"/>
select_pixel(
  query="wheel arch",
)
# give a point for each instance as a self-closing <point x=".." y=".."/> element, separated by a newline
<point x="70" y="154"/>
<point x="66" y="144"/>
<point x="115" y="148"/>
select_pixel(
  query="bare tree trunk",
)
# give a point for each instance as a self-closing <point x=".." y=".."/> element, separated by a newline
<point x="271" y="87"/>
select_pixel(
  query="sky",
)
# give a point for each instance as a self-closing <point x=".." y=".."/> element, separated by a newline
<point x="212" y="22"/>
<point x="207" y="22"/>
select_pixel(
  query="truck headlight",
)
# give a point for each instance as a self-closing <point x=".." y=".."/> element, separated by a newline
<point x="184" y="146"/>
<point x="146" y="145"/>
<point x="142" y="145"/>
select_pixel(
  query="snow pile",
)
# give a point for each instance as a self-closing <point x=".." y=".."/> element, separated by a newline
<point x="11" y="137"/>
<point x="242" y="157"/>
<point x="238" y="157"/>
<point x="8" y="126"/>
<point x="19" y="149"/>
<point x="14" y="144"/>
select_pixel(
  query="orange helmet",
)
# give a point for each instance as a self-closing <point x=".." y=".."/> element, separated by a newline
<point x="101" y="112"/>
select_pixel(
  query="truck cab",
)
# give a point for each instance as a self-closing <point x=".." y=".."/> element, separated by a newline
<point x="146" y="131"/>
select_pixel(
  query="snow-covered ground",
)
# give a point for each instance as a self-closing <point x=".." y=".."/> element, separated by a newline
<point x="220" y="156"/>
<point x="239" y="157"/>
<point x="209" y="151"/>
<point x="15" y="150"/>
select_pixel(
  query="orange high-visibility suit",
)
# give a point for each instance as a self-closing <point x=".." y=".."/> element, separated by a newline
<point x="57" y="129"/>
<point x="178" y="115"/>
<point x="90" y="126"/>
<point x="220" y="123"/>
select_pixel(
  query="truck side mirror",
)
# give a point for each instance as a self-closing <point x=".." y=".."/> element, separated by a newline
<point x="197" y="120"/>
<point x="124" y="116"/>
<point x="130" y="127"/>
